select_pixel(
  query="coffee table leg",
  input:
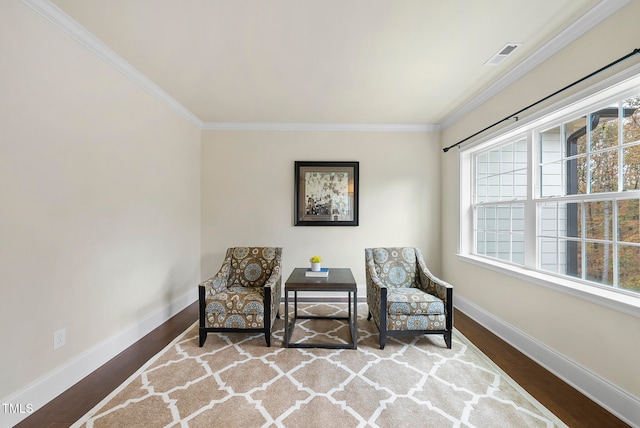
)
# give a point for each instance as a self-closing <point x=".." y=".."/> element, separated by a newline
<point x="286" y="318"/>
<point x="354" y="332"/>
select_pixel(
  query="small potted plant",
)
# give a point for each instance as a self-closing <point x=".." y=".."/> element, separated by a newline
<point x="316" y="263"/>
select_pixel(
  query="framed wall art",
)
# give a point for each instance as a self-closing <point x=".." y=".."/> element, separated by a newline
<point x="326" y="193"/>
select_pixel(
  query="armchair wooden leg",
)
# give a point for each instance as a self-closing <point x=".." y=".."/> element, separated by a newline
<point x="369" y="316"/>
<point x="267" y="315"/>
<point x="383" y="318"/>
<point x="449" y="318"/>
<point x="201" y="309"/>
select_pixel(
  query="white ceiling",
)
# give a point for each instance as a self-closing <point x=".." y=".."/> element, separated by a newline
<point x="412" y="62"/>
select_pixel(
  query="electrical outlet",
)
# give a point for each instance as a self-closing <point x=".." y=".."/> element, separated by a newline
<point x="59" y="338"/>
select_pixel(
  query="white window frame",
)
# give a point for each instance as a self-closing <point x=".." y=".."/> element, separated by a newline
<point x="615" y="88"/>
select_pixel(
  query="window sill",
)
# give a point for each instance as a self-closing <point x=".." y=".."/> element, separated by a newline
<point x="620" y="302"/>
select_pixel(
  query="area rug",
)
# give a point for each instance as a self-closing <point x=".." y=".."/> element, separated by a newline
<point x="234" y="380"/>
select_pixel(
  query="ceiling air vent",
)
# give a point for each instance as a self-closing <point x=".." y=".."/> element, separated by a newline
<point x="503" y="53"/>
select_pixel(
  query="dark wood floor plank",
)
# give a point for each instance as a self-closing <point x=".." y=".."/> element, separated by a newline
<point x="571" y="406"/>
<point x="575" y="409"/>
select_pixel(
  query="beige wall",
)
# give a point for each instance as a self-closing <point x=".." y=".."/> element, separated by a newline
<point x="247" y="195"/>
<point x="111" y="209"/>
<point x="100" y="200"/>
<point x="601" y="340"/>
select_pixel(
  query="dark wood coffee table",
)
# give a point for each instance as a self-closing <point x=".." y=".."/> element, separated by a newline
<point x="339" y="280"/>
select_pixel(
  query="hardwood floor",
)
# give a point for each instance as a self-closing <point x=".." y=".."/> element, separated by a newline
<point x="572" y="407"/>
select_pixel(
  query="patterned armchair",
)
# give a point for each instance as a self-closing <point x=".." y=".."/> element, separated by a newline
<point x="245" y="293"/>
<point x="404" y="297"/>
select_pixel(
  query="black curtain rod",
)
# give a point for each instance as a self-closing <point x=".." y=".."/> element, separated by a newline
<point x="515" y="115"/>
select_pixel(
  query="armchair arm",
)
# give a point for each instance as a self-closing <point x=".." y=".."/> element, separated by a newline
<point x="376" y="293"/>
<point x="376" y="289"/>
<point x="274" y="280"/>
<point x="218" y="282"/>
<point x="373" y="281"/>
<point x="273" y="293"/>
<point x="431" y="284"/>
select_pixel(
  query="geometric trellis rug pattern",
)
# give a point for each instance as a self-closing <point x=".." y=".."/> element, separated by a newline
<point x="234" y="380"/>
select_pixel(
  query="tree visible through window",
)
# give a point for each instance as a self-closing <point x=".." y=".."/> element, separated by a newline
<point x="601" y="162"/>
<point x="585" y="201"/>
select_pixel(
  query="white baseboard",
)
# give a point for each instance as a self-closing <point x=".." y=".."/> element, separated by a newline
<point x="613" y="399"/>
<point x="45" y="389"/>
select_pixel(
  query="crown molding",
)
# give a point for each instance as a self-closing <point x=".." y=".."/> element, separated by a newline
<point x="77" y="32"/>
<point x="277" y="126"/>
<point x="595" y="16"/>
<point x="57" y="17"/>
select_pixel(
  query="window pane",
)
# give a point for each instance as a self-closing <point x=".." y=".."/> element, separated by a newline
<point x="562" y="219"/>
<point x="629" y="274"/>
<point x="520" y="153"/>
<point x="520" y="183"/>
<point x="517" y="219"/>
<point x="496" y="172"/>
<point x="504" y="246"/>
<point x="480" y="218"/>
<point x="493" y="189"/>
<point x="490" y="218"/>
<point x="499" y="232"/>
<point x="504" y="218"/>
<point x="480" y="243"/>
<point x="604" y="172"/>
<point x="481" y="190"/>
<point x="599" y="220"/>
<point x="517" y="248"/>
<point x="631" y="167"/>
<point x="629" y="221"/>
<point x="552" y="180"/>
<point x="571" y="252"/>
<point x="548" y="220"/>
<point x="490" y="244"/>
<point x="631" y="122"/>
<point x="569" y="219"/>
<point x="576" y="171"/>
<point x="494" y="161"/>
<point x="604" y="124"/>
<point x="506" y="158"/>
<point x="572" y="216"/>
<point x="481" y="165"/>
<point x="506" y="186"/>
<point x="576" y="137"/>
<point x="600" y="263"/>
<point x="549" y="256"/>
<point x="551" y="145"/>
<point x="560" y="256"/>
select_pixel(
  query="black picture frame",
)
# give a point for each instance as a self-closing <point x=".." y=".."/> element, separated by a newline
<point x="326" y="193"/>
